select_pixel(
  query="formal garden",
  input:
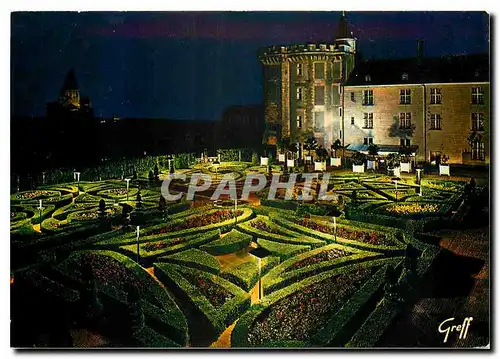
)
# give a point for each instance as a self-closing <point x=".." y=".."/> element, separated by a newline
<point x="120" y="261"/>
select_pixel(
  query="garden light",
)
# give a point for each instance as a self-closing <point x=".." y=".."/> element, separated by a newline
<point x="128" y="181"/>
<point x="137" y="244"/>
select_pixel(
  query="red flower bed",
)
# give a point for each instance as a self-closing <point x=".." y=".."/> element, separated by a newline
<point x="265" y="227"/>
<point x="300" y="315"/>
<point x="360" y="236"/>
<point x="215" y="294"/>
<point x="320" y="257"/>
<point x="150" y="247"/>
<point x="109" y="272"/>
<point x="201" y="220"/>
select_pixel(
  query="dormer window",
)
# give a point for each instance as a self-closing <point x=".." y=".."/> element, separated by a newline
<point x="404" y="77"/>
<point x="476" y="73"/>
<point x="368" y="78"/>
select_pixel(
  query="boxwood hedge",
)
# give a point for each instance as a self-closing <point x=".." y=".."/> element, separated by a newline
<point x="155" y="293"/>
<point x="330" y="238"/>
<point x="219" y="318"/>
<point x="193" y="241"/>
<point x="239" y="336"/>
<point x="285" y="235"/>
<point x="194" y="258"/>
<point x="230" y="243"/>
<point x="282" y="250"/>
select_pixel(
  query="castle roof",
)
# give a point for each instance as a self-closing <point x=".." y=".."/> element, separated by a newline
<point x="343" y="28"/>
<point x="445" y="69"/>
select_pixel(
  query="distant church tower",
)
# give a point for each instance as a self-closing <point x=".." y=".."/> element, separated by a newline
<point x="302" y="87"/>
<point x="70" y="103"/>
<point x="70" y="93"/>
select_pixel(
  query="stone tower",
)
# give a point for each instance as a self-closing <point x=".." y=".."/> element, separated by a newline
<point x="302" y="87"/>
<point x="70" y="93"/>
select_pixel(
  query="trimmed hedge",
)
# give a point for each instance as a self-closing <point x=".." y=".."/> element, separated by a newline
<point x="245" y="275"/>
<point x="288" y="237"/>
<point x="346" y="320"/>
<point x="280" y="276"/>
<point x="330" y="238"/>
<point x="194" y="258"/>
<point x="155" y="293"/>
<point x="148" y="338"/>
<point x="282" y="250"/>
<point x="219" y="318"/>
<point x="384" y="314"/>
<point x="193" y="241"/>
<point x="223" y="227"/>
<point x="230" y="243"/>
<point x="239" y="336"/>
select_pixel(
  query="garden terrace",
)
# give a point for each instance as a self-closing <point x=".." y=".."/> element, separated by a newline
<point x="200" y="266"/>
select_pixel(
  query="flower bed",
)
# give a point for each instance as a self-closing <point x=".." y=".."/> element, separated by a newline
<point x="201" y="220"/>
<point x="261" y="225"/>
<point x="118" y="192"/>
<point x="372" y="238"/>
<point x="215" y="294"/>
<point x="219" y="317"/>
<point x="114" y="272"/>
<point x="300" y="314"/>
<point x="91" y="215"/>
<point x="320" y="257"/>
<point x="166" y="246"/>
<point x="412" y="208"/>
<point x="279" y="234"/>
<point x="37" y="194"/>
<point x="154" y="246"/>
<point x="445" y="185"/>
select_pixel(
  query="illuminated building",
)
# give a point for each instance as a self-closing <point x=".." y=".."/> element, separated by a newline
<point x="433" y="106"/>
<point x="436" y="106"/>
<point x="302" y="87"/>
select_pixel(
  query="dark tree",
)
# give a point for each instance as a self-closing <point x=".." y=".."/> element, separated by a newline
<point x="157" y="172"/>
<point x="162" y="203"/>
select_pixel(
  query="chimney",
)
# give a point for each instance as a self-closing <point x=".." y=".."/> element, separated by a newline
<point x="420" y="49"/>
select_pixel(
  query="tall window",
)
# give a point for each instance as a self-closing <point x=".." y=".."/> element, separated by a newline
<point x="319" y="95"/>
<point x="319" y="121"/>
<point x="300" y="93"/>
<point x="405" y="97"/>
<point x="435" y="121"/>
<point x="477" y="96"/>
<point x="477" y="122"/>
<point x="353" y="99"/>
<point x="404" y="142"/>
<point x="299" y="121"/>
<point x="405" y="120"/>
<point x="368" y="141"/>
<point x="300" y="69"/>
<point x="352" y="120"/>
<point x="368" y="117"/>
<point x="477" y="150"/>
<point x="435" y="96"/>
<point x="319" y="70"/>
<point x="368" y="97"/>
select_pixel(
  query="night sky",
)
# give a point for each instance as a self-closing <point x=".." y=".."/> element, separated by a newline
<point x="194" y="65"/>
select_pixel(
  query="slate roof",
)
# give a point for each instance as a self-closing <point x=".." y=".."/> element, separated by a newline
<point x="446" y="69"/>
